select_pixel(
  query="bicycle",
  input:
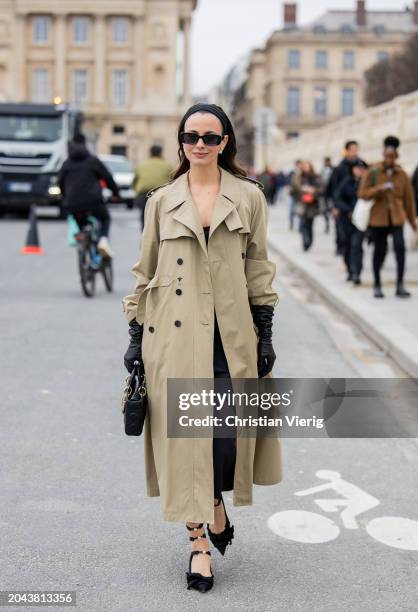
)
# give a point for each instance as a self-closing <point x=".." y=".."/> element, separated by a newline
<point x="90" y="261"/>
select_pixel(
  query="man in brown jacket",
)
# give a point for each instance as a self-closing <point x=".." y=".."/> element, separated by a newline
<point x="390" y="187"/>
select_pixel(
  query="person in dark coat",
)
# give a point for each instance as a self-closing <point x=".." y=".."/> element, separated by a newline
<point x="345" y="198"/>
<point x="79" y="181"/>
<point x="339" y="173"/>
<point x="268" y="180"/>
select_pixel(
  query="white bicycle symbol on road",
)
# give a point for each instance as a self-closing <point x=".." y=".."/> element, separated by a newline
<point x="312" y="528"/>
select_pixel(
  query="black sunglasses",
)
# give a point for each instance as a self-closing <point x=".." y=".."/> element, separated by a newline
<point x="210" y="140"/>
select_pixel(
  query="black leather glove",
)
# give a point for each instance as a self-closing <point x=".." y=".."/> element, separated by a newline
<point x="134" y="352"/>
<point x="263" y="318"/>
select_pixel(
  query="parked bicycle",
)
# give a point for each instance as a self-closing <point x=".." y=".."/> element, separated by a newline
<point x="90" y="261"/>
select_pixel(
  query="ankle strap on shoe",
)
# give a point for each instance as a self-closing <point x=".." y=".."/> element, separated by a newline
<point x="200" y="552"/>
<point x="194" y="528"/>
<point x="201" y="537"/>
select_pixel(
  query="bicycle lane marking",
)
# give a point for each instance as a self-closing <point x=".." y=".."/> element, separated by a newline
<point x="312" y="528"/>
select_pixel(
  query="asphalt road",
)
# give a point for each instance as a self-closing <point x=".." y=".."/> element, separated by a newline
<point x="73" y="512"/>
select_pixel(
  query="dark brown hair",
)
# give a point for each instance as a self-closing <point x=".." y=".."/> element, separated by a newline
<point x="227" y="159"/>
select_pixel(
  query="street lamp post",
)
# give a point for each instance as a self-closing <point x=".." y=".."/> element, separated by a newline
<point x="264" y="121"/>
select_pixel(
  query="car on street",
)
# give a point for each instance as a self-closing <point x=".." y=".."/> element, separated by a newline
<point x="123" y="175"/>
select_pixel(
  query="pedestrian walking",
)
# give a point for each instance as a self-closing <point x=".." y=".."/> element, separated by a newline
<point x="292" y="200"/>
<point x="280" y="185"/>
<point x="150" y="173"/>
<point x="268" y="180"/>
<point x="326" y="201"/>
<point x="306" y="189"/>
<point x="390" y="188"/>
<point x="345" y="198"/>
<point x="344" y="168"/>
<point x="79" y="181"/>
<point x="203" y="281"/>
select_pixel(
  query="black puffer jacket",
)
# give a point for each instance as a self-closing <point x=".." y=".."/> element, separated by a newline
<point x="340" y="172"/>
<point x="345" y="195"/>
<point x="79" y="180"/>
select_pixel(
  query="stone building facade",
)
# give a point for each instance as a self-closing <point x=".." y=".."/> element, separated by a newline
<point x="311" y="75"/>
<point x="125" y="64"/>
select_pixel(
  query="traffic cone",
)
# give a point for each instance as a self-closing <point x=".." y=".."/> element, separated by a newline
<point x="32" y="246"/>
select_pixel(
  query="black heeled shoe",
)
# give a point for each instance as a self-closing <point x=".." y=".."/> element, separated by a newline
<point x="194" y="579"/>
<point x="221" y="540"/>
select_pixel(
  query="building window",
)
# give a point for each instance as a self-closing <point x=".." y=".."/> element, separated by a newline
<point x="81" y="29"/>
<point x="41" y="90"/>
<point x="347" y="101"/>
<point x="293" y="101"/>
<point x="321" y="59"/>
<point x="348" y="60"/>
<point x="293" y="58"/>
<point x="41" y="26"/>
<point x="80" y="86"/>
<point x="119" y="150"/>
<point x="379" y="29"/>
<point x="320" y="102"/>
<point x="120" y="30"/>
<point x="382" y="56"/>
<point x="118" y="129"/>
<point x="119" y="92"/>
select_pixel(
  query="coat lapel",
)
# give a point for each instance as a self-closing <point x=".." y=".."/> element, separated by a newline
<point x="226" y="204"/>
<point x="184" y="209"/>
<point x="225" y="208"/>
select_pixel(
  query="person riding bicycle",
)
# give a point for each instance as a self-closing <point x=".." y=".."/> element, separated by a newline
<point x="79" y="181"/>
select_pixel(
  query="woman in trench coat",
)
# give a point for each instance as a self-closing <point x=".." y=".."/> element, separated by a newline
<point x="203" y="297"/>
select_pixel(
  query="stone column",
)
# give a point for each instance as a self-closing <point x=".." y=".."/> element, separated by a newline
<point x="137" y="87"/>
<point x="59" y="88"/>
<point x="186" y="59"/>
<point x="99" y="60"/>
<point x="21" y="88"/>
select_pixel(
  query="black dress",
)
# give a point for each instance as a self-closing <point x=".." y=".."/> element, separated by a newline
<point x="224" y="448"/>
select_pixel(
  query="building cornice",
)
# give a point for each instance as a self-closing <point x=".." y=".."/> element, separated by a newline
<point x="80" y="7"/>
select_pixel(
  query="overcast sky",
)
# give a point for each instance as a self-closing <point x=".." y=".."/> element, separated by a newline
<point x="224" y="30"/>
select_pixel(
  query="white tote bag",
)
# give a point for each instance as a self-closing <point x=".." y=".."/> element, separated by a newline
<point x="361" y="214"/>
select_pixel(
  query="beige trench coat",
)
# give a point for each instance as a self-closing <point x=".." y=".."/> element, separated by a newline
<point x="229" y="274"/>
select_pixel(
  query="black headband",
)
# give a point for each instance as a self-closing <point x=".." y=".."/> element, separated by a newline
<point x="208" y="108"/>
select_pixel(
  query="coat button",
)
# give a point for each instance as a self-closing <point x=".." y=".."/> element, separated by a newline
<point x="243" y="255"/>
<point x="179" y="261"/>
<point x="179" y="291"/>
<point x="151" y="329"/>
<point x="177" y="323"/>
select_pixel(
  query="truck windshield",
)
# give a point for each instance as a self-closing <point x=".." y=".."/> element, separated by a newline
<point x="118" y="165"/>
<point x="31" y="128"/>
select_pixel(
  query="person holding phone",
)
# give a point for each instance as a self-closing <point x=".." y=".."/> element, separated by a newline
<point x="391" y="189"/>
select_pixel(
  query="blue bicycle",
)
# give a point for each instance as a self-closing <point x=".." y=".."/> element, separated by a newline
<point x="90" y="261"/>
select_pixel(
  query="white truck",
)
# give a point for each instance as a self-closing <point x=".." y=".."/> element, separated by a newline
<point x="33" y="147"/>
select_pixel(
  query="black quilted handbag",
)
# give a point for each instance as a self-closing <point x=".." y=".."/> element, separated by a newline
<point x="134" y="401"/>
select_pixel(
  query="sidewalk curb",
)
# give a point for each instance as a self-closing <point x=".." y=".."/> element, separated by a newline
<point x="392" y="338"/>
